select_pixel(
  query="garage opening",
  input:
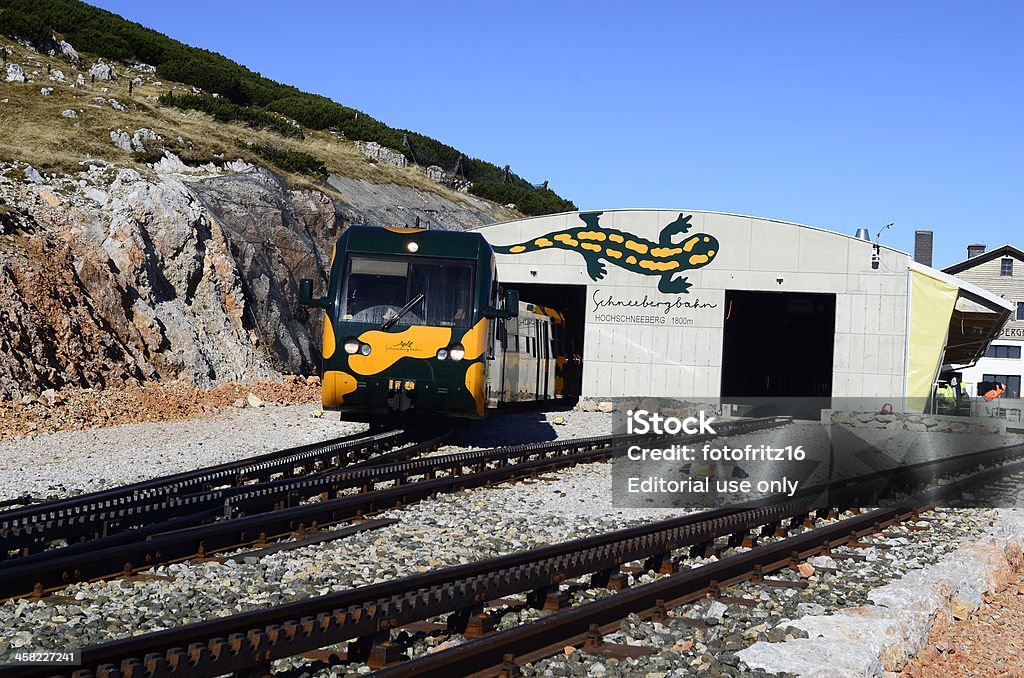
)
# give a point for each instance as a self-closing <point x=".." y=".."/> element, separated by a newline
<point x="777" y="352"/>
<point x="571" y="301"/>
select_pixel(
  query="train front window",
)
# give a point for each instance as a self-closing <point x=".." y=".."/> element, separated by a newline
<point x="378" y="288"/>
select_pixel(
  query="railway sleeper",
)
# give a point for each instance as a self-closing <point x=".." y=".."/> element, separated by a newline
<point x="361" y="648"/>
<point x="661" y="563"/>
<point x="481" y="624"/>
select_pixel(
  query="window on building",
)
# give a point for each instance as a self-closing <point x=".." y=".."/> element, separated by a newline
<point x="1020" y="310"/>
<point x="1012" y="382"/>
<point x="1007" y="267"/>
<point x="1003" y="352"/>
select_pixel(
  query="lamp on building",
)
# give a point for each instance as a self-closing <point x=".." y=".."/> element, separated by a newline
<point x="876" y="256"/>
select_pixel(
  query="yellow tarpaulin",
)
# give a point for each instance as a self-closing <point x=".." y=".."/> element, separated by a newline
<point x="931" y="307"/>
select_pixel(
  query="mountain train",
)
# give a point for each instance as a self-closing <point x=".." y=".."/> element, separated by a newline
<point x="416" y="324"/>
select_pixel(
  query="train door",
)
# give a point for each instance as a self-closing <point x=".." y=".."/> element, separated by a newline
<point x="496" y="345"/>
<point x="542" y="360"/>
<point x="538" y="341"/>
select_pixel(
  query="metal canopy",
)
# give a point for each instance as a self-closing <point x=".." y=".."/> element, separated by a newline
<point x="977" y="319"/>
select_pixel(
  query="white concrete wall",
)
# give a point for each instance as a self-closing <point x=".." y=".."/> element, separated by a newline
<point x="679" y="353"/>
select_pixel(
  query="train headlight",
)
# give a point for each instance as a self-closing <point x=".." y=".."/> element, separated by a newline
<point x="365" y="349"/>
<point x="457" y="352"/>
<point x="442" y="354"/>
<point x="351" y="345"/>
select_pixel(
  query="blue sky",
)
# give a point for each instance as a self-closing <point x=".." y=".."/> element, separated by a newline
<point x="836" y="115"/>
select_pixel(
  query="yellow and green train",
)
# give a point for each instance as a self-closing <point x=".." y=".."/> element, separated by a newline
<point x="415" y="323"/>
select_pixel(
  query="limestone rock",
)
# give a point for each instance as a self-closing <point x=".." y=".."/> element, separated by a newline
<point x="69" y="113"/>
<point x="892" y="635"/>
<point x="253" y="400"/>
<point x="57" y="75"/>
<point x="174" y="276"/>
<point x="122" y="140"/>
<point x="32" y="174"/>
<point x="46" y="91"/>
<point x="69" y="51"/>
<point x="817" y="657"/>
<point x="372" y="149"/>
<point x="102" y="71"/>
<point x="15" y="73"/>
<point x="143" y="135"/>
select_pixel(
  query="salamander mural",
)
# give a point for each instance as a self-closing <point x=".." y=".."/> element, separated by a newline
<point x="597" y="244"/>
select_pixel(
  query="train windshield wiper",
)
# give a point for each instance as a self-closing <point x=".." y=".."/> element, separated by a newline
<point x="402" y="311"/>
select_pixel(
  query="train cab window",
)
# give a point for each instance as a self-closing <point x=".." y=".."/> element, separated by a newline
<point x="376" y="288"/>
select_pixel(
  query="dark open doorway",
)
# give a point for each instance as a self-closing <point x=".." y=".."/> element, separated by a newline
<point x="777" y="351"/>
<point x="571" y="301"/>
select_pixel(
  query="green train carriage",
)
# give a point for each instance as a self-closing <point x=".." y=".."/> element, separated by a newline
<point x="409" y="323"/>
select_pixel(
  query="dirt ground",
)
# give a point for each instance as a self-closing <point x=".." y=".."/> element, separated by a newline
<point x="77" y="409"/>
<point x="989" y="643"/>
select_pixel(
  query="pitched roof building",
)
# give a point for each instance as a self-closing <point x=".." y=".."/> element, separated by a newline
<point x="1000" y="271"/>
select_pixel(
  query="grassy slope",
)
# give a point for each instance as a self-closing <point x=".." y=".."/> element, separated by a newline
<point x="33" y="131"/>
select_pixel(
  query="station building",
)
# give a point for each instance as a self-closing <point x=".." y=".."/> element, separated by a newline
<point x="1001" y="272"/>
<point x="696" y="305"/>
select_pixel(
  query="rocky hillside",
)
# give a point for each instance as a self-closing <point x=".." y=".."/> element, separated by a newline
<point x="141" y="242"/>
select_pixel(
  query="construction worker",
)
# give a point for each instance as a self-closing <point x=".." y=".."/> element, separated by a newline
<point x="946" y="397"/>
<point x="995" y="392"/>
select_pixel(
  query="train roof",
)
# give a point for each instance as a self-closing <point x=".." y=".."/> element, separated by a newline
<point x="421" y="241"/>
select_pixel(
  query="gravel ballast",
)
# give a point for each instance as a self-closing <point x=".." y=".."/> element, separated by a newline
<point x="57" y="465"/>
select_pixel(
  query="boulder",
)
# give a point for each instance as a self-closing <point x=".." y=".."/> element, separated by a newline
<point x="68" y="51"/>
<point x="143" y="135"/>
<point x="15" y="73"/>
<point x="253" y="400"/>
<point x="818" y="657"/>
<point x="46" y="91"/>
<point x="32" y="174"/>
<point x="69" y="113"/>
<point x="121" y="140"/>
<point x="101" y="71"/>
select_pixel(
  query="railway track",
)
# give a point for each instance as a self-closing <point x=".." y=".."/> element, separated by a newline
<point x="366" y="615"/>
<point x="503" y="652"/>
<point x="35" y="527"/>
<point x="245" y="516"/>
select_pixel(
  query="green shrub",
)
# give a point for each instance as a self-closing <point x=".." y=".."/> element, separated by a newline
<point x="16" y="24"/>
<point x="223" y="110"/>
<point x="288" y="160"/>
<point x="530" y="201"/>
<point x="150" y="155"/>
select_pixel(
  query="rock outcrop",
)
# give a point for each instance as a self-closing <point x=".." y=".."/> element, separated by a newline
<point x="15" y="73"/>
<point x="111" y="276"/>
